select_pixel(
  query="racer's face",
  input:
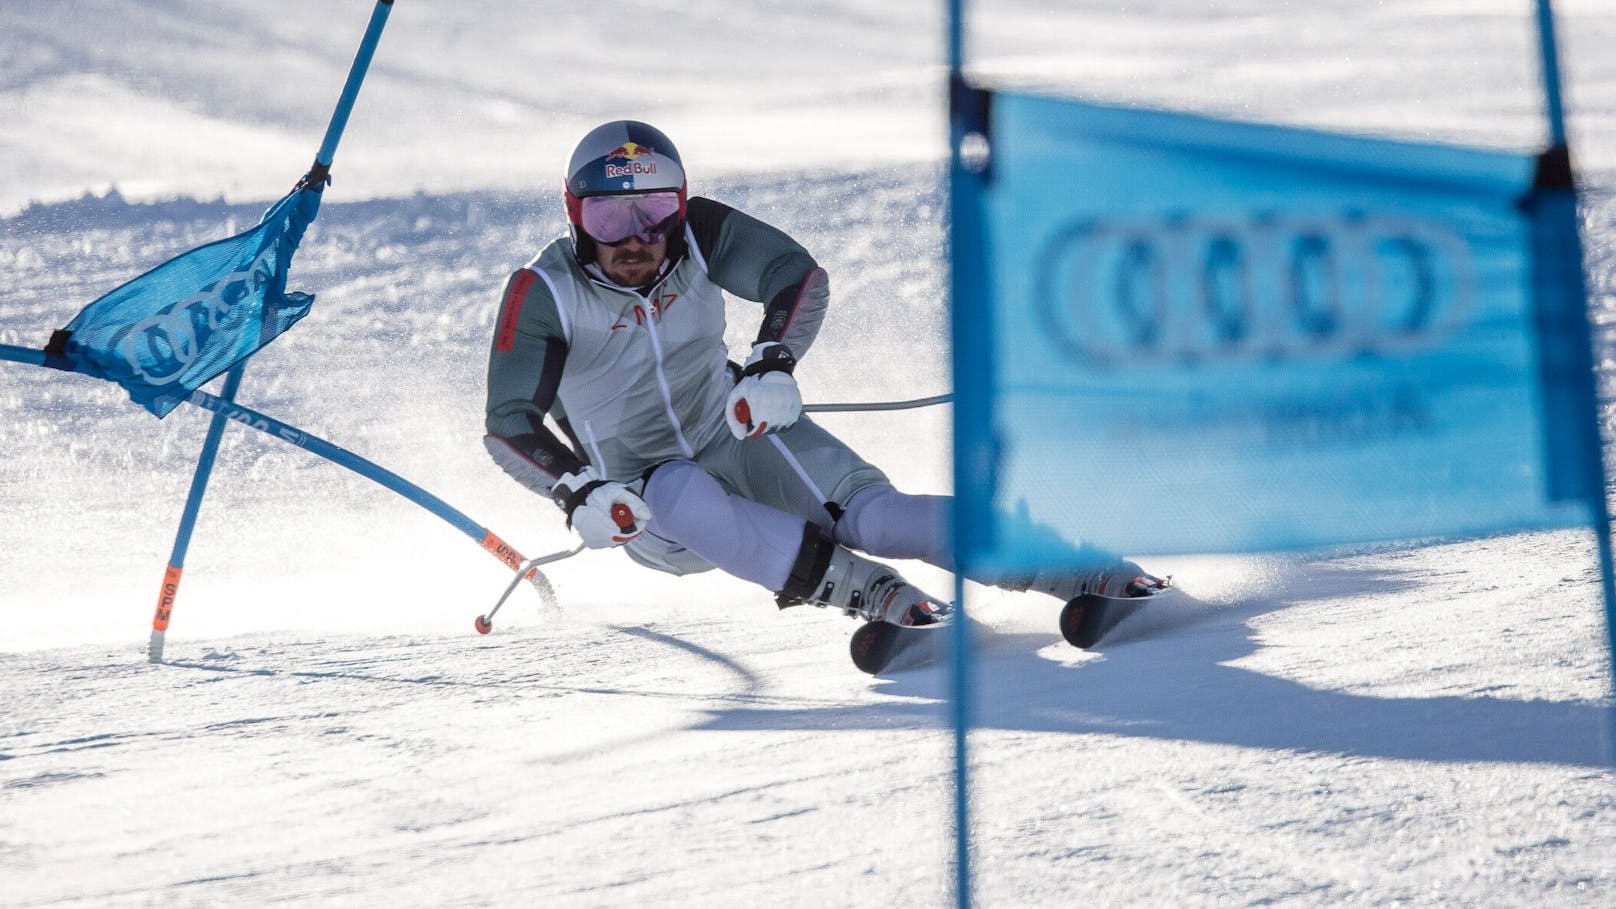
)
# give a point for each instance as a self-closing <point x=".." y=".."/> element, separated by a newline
<point x="633" y="262"/>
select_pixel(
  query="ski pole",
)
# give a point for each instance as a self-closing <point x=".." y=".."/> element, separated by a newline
<point x="878" y="405"/>
<point x="622" y="516"/>
<point x="529" y="570"/>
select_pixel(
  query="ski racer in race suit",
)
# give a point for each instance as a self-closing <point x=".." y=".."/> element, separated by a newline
<point x="684" y="459"/>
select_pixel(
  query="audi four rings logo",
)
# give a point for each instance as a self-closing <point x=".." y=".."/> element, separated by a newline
<point x="159" y="348"/>
<point x="1183" y="290"/>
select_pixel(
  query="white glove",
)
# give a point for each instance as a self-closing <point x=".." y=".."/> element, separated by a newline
<point x="605" y="513"/>
<point x="766" y="398"/>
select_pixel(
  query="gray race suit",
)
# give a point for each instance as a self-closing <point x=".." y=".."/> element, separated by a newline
<point x="637" y="377"/>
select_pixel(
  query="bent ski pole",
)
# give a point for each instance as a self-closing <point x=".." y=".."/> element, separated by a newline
<point x="878" y="405"/>
<point x="624" y="519"/>
<point x="528" y="569"/>
<point x="621" y="515"/>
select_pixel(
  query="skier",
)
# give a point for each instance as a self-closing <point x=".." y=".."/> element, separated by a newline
<point x="686" y="460"/>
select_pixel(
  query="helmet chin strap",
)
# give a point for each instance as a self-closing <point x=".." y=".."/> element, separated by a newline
<point x="584" y="248"/>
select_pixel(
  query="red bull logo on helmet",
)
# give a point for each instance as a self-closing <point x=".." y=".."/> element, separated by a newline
<point x="631" y="152"/>
<point x="628" y="151"/>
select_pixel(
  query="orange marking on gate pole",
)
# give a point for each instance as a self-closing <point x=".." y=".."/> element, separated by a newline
<point x="165" y="598"/>
<point x="503" y="550"/>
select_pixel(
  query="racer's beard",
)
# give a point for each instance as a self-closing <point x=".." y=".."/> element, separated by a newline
<point x="633" y="264"/>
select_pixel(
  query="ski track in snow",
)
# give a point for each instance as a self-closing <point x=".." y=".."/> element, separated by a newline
<point x="1413" y="725"/>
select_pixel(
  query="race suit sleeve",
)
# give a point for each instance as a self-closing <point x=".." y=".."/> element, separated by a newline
<point x="524" y="373"/>
<point x="757" y="262"/>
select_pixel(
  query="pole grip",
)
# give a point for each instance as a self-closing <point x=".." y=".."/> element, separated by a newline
<point x="623" y="517"/>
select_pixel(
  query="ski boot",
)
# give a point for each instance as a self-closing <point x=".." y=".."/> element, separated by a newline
<point x="873" y="592"/>
<point x="842" y="579"/>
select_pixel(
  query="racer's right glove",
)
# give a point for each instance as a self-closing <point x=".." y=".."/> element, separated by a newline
<point x="605" y="513"/>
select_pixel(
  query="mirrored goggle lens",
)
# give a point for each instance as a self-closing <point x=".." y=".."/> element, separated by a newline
<point x="614" y="219"/>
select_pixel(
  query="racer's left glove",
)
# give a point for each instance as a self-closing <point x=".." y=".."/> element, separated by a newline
<point x="766" y="398"/>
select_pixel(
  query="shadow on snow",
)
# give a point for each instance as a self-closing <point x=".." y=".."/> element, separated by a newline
<point x="1177" y="687"/>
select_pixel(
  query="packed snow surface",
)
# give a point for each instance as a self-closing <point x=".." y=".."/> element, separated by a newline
<point x="1423" y="724"/>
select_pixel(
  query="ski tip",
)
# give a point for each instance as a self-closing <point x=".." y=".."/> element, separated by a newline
<point x="1072" y="623"/>
<point x="878" y="647"/>
<point x="1089" y="617"/>
<point x="872" y="646"/>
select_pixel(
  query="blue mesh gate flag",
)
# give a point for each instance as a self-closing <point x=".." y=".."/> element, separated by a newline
<point x="1190" y="335"/>
<point x="168" y="332"/>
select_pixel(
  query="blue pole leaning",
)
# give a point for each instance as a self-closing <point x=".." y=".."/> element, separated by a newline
<point x="230" y="411"/>
<point x="487" y="539"/>
<point x="350" y="89"/>
<point x="1549" y="48"/>
<point x="193" y="505"/>
<point x="1559" y="149"/>
<point x="317" y="179"/>
<point x="22" y="355"/>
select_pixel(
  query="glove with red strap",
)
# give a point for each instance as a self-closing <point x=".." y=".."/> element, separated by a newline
<point x="603" y="512"/>
<point x="766" y="398"/>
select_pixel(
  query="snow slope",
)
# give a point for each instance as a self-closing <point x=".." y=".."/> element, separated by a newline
<point x="1417" y="725"/>
<point x="479" y="94"/>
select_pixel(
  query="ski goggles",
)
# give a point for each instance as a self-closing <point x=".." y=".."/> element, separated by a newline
<point x="612" y="220"/>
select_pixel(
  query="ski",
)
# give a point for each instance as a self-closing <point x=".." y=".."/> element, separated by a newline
<point x="881" y="646"/>
<point x="1089" y="617"/>
<point x="878" y="647"/>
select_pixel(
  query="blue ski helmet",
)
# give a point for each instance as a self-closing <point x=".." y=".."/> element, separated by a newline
<point x="623" y="157"/>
